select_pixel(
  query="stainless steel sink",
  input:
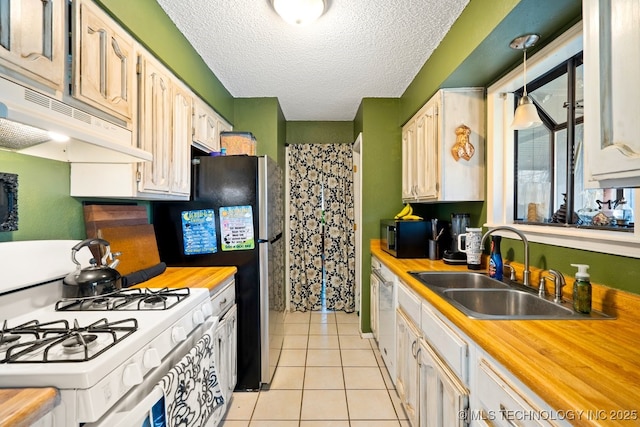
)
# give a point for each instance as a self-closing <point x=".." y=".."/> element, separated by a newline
<point x="458" y="280"/>
<point x="506" y="303"/>
<point x="481" y="297"/>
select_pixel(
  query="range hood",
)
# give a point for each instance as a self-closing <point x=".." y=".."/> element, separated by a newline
<point x="30" y="123"/>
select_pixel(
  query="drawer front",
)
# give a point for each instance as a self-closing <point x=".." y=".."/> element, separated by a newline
<point x="447" y="342"/>
<point x="224" y="298"/>
<point x="504" y="404"/>
<point x="409" y="302"/>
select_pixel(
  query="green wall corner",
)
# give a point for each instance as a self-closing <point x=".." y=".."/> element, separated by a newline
<point x="45" y="209"/>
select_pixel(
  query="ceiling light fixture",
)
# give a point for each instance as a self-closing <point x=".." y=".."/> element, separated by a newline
<point x="526" y="115"/>
<point x="299" y="12"/>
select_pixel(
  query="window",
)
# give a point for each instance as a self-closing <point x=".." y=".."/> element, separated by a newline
<point x="527" y="175"/>
<point x="549" y="176"/>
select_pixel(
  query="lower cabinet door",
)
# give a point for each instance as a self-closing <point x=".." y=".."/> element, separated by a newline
<point x="232" y="349"/>
<point x="443" y="399"/>
<point x="407" y="383"/>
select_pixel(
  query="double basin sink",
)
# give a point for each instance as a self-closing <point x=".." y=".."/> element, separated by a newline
<point x="481" y="297"/>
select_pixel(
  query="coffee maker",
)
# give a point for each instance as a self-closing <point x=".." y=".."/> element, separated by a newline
<point x="459" y="224"/>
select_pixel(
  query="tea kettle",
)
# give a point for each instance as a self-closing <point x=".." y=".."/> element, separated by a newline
<point x="97" y="279"/>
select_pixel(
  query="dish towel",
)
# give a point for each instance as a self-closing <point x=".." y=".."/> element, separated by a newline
<point x="191" y="388"/>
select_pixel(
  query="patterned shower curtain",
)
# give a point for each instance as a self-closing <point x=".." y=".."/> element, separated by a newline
<point x="321" y="174"/>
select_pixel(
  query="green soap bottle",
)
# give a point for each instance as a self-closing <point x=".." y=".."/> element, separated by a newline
<point x="582" y="290"/>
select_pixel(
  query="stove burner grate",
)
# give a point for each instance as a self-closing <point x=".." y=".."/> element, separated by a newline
<point x="78" y="344"/>
<point x="137" y="299"/>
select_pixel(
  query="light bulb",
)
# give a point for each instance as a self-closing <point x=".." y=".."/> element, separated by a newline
<point x="299" y="12"/>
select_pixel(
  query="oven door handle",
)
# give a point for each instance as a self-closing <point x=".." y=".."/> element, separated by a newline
<point x="141" y="411"/>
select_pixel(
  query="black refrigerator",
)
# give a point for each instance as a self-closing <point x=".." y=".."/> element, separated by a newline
<point x="235" y="218"/>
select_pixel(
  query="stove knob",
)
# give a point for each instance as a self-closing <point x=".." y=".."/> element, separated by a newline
<point x="132" y="375"/>
<point x="207" y="310"/>
<point x="198" y="317"/>
<point x="178" y="334"/>
<point x="151" y="358"/>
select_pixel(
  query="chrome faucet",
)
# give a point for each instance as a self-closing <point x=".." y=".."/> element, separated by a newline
<point x="558" y="283"/>
<point x="527" y="272"/>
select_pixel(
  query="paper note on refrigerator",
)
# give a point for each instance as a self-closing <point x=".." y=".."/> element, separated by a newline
<point x="236" y="228"/>
<point x="199" y="232"/>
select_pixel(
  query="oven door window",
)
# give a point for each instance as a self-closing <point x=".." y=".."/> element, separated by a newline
<point x="156" y="417"/>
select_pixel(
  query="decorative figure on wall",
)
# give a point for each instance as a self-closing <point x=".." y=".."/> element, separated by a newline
<point x="8" y="202"/>
<point x="463" y="148"/>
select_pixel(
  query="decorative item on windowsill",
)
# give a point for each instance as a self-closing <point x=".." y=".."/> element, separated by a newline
<point x="560" y="216"/>
<point x="526" y="115"/>
<point x="463" y="148"/>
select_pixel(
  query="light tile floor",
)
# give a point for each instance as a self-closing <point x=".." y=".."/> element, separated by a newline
<point x="327" y="376"/>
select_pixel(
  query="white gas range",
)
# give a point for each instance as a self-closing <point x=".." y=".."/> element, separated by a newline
<point x="112" y="357"/>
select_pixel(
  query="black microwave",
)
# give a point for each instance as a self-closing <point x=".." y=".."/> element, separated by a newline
<point x="404" y="239"/>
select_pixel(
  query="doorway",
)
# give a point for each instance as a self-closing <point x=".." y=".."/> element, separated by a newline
<point x="321" y="244"/>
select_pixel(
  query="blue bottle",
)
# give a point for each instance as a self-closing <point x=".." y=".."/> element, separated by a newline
<point x="495" y="261"/>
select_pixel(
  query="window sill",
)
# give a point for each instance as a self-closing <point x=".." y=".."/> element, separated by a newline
<point x="603" y="241"/>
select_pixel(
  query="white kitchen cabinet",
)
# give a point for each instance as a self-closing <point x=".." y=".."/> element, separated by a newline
<point x="165" y="130"/>
<point x="419" y="156"/>
<point x="155" y="134"/>
<point x="452" y="346"/>
<point x="407" y="378"/>
<point x="32" y="40"/>
<point x="180" y="159"/>
<point x="506" y="404"/>
<point x="611" y="88"/>
<point x="430" y="172"/>
<point x="442" y="396"/>
<point x="104" y="62"/>
<point x="207" y="125"/>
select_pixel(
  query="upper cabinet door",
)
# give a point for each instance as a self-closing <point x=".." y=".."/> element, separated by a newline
<point x="104" y="62"/>
<point x="427" y="153"/>
<point x="181" y="141"/>
<point x="155" y="125"/>
<point x="611" y="110"/>
<point x="205" y="126"/>
<point x="409" y="161"/>
<point x="31" y="40"/>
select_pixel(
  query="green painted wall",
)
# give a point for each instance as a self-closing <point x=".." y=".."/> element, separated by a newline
<point x="301" y="132"/>
<point x="45" y="209"/>
<point x="381" y="165"/>
<point x="148" y="22"/>
<point x="476" y="52"/>
<point x="261" y="117"/>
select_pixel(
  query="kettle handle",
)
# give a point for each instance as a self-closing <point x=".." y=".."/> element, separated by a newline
<point x="86" y="242"/>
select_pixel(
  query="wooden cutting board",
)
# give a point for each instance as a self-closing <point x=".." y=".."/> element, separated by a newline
<point x="137" y="244"/>
<point x="101" y="216"/>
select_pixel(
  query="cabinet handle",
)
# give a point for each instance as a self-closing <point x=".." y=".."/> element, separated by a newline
<point x="223" y="302"/>
<point x="505" y="416"/>
<point x="413" y="349"/>
<point x="418" y="357"/>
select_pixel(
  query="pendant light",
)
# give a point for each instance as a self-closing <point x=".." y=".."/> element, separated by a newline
<point x="299" y="12"/>
<point x="526" y="115"/>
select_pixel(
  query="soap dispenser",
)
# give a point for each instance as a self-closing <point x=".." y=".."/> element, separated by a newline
<point x="582" y="290"/>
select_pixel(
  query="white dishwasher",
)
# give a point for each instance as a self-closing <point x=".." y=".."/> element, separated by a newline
<point x="386" y="318"/>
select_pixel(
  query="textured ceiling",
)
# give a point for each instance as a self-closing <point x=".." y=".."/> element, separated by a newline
<point x="357" y="49"/>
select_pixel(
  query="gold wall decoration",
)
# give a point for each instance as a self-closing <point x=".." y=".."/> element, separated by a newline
<point x="463" y="148"/>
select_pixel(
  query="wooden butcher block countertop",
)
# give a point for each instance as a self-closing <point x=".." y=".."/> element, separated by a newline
<point x="574" y="365"/>
<point x="190" y="277"/>
<point x="22" y="407"/>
